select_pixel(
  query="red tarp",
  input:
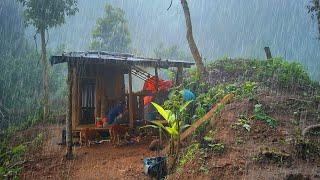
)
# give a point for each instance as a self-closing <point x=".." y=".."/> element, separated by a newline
<point x="150" y="85"/>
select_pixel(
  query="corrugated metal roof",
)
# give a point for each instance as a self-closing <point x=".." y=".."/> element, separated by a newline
<point x="117" y="59"/>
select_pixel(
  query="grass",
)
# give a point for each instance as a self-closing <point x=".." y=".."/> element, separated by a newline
<point x="10" y="156"/>
<point x="188" y="155"/>
<point x="275" y="73"/>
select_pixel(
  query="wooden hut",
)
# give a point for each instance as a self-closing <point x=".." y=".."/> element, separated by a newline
<point x="96" y="83"/>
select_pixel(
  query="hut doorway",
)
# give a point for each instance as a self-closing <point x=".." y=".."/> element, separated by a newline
<point x="88" y="88"/>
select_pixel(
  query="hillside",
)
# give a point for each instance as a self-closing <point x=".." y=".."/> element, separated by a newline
<point x="258" y="136"/>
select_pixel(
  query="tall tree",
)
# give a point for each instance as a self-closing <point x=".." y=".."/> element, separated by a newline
<point x="111" y="32"/>
<point x="314" y="9"/>
<point x="45" y="14"/>
<point x="192" y="44"/>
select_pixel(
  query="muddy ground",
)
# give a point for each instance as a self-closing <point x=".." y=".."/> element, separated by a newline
<point x="103" y="161"/>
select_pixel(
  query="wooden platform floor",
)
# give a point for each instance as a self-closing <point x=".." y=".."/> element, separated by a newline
<point x="106" y="128"/>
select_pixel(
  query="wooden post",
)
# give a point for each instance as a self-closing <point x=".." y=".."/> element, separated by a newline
<point x="179" y="75"/>
<point x="74" y="96"/>
<point x="130" y="99"/>
<point x="69" y="154"/>
<point x="79" y="112"/>
<point x="103" y="94"/>
<point x="98" y="94"/>
<point x="268" y="52"/>
<point x="157" y="78"/>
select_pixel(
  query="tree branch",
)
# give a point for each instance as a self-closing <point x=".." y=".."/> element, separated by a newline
<point x="169" y="6"/>
<point x="309" y="128"/>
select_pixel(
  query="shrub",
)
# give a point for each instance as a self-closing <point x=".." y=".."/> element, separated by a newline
<point x="259" y="114"/>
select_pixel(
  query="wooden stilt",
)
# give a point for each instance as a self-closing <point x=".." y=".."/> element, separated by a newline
<point x="157" y="78"/>
<point x="98" y="94"/>
<point x="69" y="154"/>
<point x="130" y="99"/>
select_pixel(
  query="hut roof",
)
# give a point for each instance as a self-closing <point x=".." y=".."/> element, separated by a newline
<point x="117" y="59"/>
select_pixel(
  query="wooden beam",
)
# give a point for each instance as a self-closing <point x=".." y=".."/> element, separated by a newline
<point x="157" y="78"/>
<point x="69" y="154"/>
<point x="179" y="75"/>
<point x="130" y="99"/>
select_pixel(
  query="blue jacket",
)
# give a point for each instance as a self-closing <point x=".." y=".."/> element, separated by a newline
<point x="114" y="112"/>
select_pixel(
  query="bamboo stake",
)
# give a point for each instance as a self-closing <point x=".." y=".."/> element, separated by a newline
<point x="210" y="115"/>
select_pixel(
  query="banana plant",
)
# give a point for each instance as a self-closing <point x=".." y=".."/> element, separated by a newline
<point x="173" y="126"/>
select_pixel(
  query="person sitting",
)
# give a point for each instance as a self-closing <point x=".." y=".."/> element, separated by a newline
<point x="116" y="113"/>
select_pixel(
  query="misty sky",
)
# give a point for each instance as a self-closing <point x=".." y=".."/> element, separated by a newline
<point x="233" y="28"/>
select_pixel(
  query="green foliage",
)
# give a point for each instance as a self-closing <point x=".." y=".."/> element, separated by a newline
<point x="175" y="100"/>
<point x="205" y="101"/>
<point x="171" y="52"/>
<point x="46" y="14"/>
<point x="11" y="157"/>
<point x="275" y="73"/>
<point x="259" y="114"/>
<point x="207" y="96"/>
<point x="243" y="122"/>
<point x="247" y="90"/>
<point x="7" y="133"/>
<point x="38" y="141"/>
<point x="217" y="148"/>
<point x="189" y="154"/>
<point x="20" y="89"/>
<point x="209" y="144"/>
<point x="8" y="159"/>
<point x="111" y="32"/>
<point x="176" y="103"/>
<point x="174" y="124"/>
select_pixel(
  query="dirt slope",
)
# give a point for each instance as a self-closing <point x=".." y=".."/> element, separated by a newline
<point x="240" y="159"/>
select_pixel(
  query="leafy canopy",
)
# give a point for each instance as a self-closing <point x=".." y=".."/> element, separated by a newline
<point x="171" y="52"/>
<point x="44" y="14"/>
<point x="111" y="32"/>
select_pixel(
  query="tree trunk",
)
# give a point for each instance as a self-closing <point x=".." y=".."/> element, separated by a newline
<point x="44" y="76"/>
<point x="69" y="154"/>
<point x="192" y="44"/>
